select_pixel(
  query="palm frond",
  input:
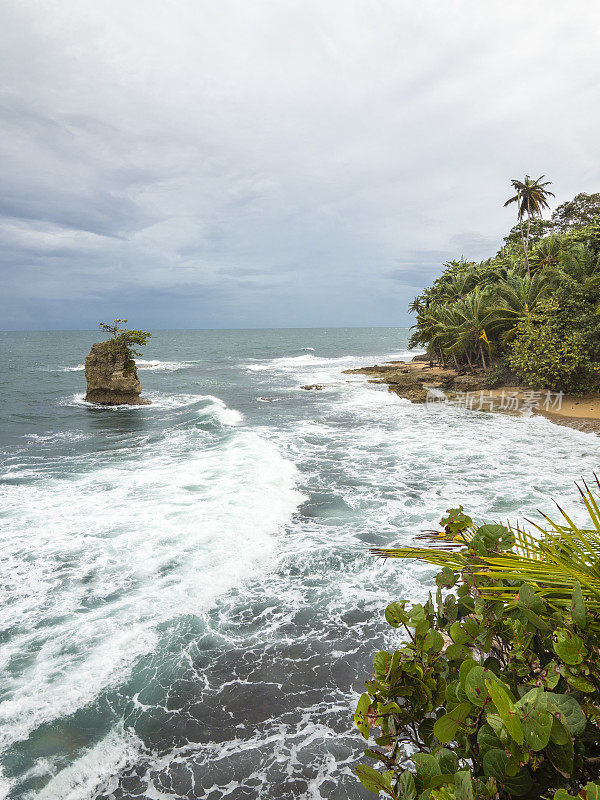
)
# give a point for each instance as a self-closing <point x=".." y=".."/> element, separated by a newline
<point x="552" y="557"/>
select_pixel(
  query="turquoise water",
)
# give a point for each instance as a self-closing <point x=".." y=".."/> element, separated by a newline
<point x="189" y="607"/>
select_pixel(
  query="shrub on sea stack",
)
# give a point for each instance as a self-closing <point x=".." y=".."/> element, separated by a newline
<point x="494" y="691"/>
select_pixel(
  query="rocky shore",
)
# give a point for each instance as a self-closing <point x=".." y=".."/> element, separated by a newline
<point x="414" y="379"/>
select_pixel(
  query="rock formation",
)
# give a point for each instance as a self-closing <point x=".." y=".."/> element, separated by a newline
<point x="111" y="376"/>
<point x="413" y="379"/>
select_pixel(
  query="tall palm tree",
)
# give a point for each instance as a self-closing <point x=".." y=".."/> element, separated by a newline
<point x="531" y="199"/>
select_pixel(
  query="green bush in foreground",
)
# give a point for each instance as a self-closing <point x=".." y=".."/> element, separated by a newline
<point x="495" y="690"/>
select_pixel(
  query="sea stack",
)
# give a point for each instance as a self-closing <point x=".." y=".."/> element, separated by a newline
<point x="111" y="376"/>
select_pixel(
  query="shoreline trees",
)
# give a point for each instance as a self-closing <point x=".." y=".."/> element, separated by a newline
<point x="487" y="314"/>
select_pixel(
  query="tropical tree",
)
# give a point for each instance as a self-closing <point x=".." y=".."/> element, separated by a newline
<point x="531" y="198"/>
<point x="516" y="298"/>
<point x="124" y="339"/>
<point x="472" y="314"/>
<point x="547" y="255"/>
<point x="583" y="265"/>
<point x="581" y="210"/>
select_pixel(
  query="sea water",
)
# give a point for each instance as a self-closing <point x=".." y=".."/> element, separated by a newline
<point x="188" y="604"/>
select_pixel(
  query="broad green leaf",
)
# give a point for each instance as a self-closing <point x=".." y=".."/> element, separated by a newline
<point x="396" y="615"/>
<point x="458" y="634"/>
<point x="559" y="733"/>
<point x="529" y="599"/>
<point x="495" y="763"/>
<point x="580" y="683"/>
<point x="426" y="768"/>
<point x="571" y="712"/>
<point x="426" y="730"/>
<point x="592" y="791"/>
<point x="455" y="651"/>
<point x="463" y="786"/>
<point x="447" y="578"/>
<point x="466" y="666"/>
<point x="361" y="714"/>
<point x="406" y="789"/>
<point x="434" y="641"/>
<point x="388" y="708"/>
<point x="561" y="756"/>
<point x="506" y="710"/>
<point x="487" y="738"/>
<point x="537" y="724"/>
<point x="382" y="662"/>
<point x="569" y="647"/>
<point x="447" y="759"/>
<point x="445" y="727"/>
<point x="373" y="780"/>
<point x="475" y="687"/>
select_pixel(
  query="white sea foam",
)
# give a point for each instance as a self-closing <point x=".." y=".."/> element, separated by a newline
<point x="225" y="415"/>
<point x="309" y="368"/>
<point x="122" y="548"/>
<point x="95" y="770"/>
<point x="160" y="400"/>
<point x="141" y="363"/>
<point x="137" y="541"/>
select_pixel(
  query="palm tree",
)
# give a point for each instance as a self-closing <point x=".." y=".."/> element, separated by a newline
<point x="548" y="254"/>
<point x="531" y="199"/>
<point x="515" y="298"/>
<point x="583" y="265"/>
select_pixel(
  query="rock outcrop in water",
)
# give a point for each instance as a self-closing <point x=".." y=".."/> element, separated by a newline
<point x="111" y="376"/>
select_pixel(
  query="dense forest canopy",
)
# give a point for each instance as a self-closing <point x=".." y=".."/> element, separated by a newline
<point x="532" y="311"/>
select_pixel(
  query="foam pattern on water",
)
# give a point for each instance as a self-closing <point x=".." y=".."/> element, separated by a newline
<point x="179" y="646"/>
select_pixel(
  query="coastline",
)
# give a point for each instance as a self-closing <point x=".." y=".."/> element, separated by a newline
<point x="412" y="380"/>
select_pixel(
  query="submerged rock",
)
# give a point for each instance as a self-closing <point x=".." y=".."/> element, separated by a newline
<point x="111" y="376"/>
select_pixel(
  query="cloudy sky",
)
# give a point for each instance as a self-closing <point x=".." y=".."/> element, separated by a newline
<point x="264" y="163"/>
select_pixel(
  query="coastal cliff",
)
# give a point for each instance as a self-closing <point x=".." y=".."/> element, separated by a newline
<point x="111" y="376"/>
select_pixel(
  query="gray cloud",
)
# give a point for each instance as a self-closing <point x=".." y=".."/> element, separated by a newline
<point x="231" y="163"/>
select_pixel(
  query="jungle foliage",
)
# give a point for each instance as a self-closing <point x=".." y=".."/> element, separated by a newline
<point x="494" y="688"/>
<point x="533" y="307"/>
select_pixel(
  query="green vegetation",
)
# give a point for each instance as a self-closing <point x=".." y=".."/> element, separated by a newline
<point x="494" y="690"/>
<point x="533" y="309"/>
<point x="121" y="338"/>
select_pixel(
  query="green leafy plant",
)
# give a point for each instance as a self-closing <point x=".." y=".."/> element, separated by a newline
<point x="123" y="339"/>
<point x="494" y="688"/>
<point x="550" y="352"/>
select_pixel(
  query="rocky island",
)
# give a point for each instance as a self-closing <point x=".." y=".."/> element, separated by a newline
<point x="110" y="370"/>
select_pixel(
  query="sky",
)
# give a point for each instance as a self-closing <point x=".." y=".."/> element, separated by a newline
<point x="275" y="163"/>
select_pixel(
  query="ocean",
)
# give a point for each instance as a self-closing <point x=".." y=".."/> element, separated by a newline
<point x="189" y="608"/>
